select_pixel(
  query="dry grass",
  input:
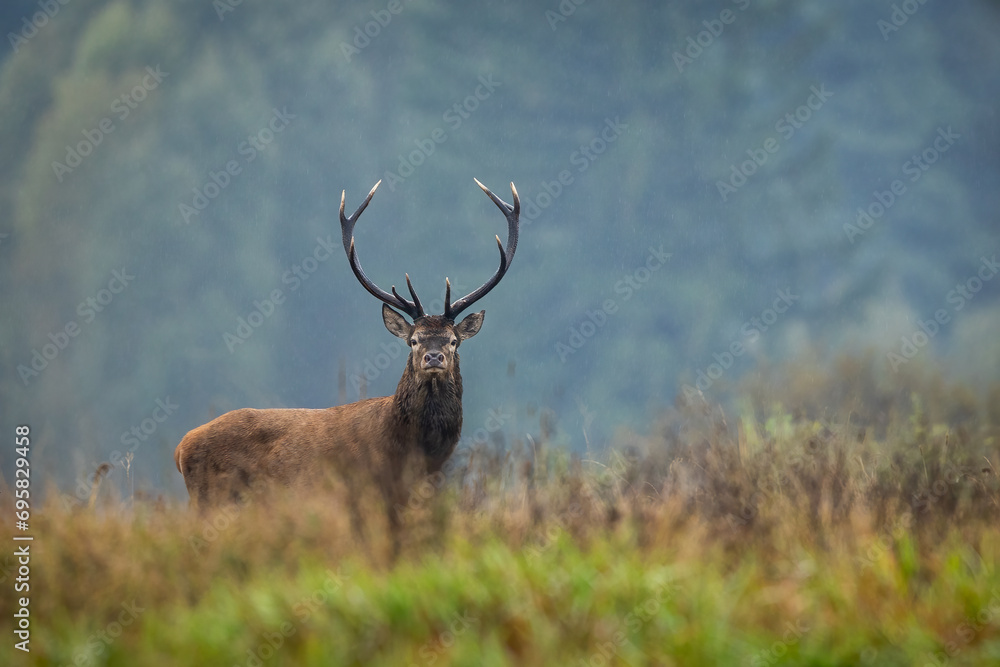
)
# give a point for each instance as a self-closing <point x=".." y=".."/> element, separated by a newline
<point x="846" y="518"/>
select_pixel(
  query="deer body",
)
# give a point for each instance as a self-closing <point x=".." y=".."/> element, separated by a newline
<point x="379" y="439"/>
<point x="417" y="427"/>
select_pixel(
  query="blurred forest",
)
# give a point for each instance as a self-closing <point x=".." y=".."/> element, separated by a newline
<point x="691" y="176"/>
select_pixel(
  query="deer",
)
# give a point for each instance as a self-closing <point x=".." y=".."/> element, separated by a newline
<point x="383" y="440"/>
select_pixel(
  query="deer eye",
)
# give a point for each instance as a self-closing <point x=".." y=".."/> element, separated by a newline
<point x="413" y="342"/>
<point x="454" y="342"/>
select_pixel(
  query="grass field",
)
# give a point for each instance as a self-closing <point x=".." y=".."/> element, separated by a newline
<point x="846" y="518"/>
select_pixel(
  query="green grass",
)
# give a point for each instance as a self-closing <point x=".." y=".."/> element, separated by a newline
<point x="862" y="531"/>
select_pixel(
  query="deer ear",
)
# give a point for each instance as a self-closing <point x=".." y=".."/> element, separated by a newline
<point x="470" y="326"/>
<point x="396" y="323"/>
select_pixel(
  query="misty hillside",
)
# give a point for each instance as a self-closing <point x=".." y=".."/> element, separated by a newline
<point x="706" y="188"/>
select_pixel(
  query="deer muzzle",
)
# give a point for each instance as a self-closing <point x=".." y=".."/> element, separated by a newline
<point x="432" y="360"/>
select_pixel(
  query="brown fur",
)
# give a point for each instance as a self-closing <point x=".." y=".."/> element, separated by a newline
<point x="377" y="438"/>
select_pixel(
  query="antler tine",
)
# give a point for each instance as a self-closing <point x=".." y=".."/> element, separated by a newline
<point x="347" y="224"/>
<point x="416" y="301"/>
<point x="411" y="308"/>
<point x="512" y="213"/>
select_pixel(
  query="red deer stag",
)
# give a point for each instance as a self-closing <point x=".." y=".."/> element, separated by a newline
<point x="414" y="431"/>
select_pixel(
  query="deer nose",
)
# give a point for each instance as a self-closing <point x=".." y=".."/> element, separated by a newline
<point x="434" y="360"/>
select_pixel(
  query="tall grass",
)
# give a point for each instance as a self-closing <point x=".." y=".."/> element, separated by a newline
<point x="845" y="517"/>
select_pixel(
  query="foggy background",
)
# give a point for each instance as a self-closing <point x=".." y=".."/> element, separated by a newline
<point x="705" y="186"/>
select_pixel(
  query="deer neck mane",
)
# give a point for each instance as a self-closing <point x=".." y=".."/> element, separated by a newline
<point x="429" y="411"/>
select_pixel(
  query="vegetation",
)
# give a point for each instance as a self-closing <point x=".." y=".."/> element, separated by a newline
<point x="779" y="536"/>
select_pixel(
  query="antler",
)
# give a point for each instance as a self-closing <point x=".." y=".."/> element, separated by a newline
<point x="512" y="213"/>
<point x="411" y="308"/>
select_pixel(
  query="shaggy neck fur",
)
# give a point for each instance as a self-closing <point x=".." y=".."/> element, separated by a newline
<point x="428" y="411"/>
